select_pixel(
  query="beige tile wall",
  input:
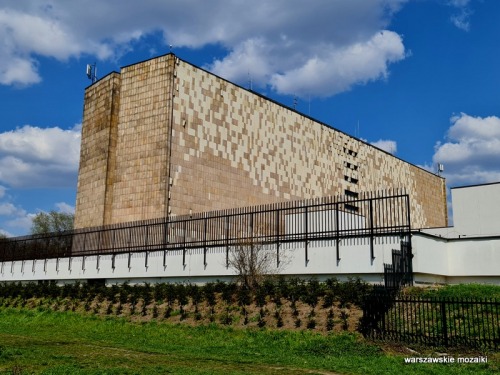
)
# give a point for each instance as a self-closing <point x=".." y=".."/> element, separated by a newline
<point x="229" y="147"/>
<point x="99" y="126"/>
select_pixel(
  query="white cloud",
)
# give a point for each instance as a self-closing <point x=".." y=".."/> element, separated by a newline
<point x="21" y="223"/>
<point x="36" y="157"/>
<point x="65" y="208"/>
<point x="8" y="209"/>
<point x="280" y="43"/>
<point x="461" y="19"/>
<point x="386" y="145"/>
<point x="14" y="218"/>
<point x="471" y="153"/>
<point x="337" y="70"/>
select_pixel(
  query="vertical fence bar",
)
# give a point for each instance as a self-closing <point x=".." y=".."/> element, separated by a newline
<point x="184" y="244"/>
<point x="337" y="232"/>
<point x="372" y="250"/>
<point x="227" y="240"/>
<point x="444" y="323"/>
<point x="306" y="230"/>
<point x="205" y="241"/>
<point x="277" y="237"/>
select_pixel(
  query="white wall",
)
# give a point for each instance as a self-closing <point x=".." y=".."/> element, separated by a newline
<point x="355" y="261"/>
<point x="456" y="260"/>
<point x="476" y="210"/>
<point x="436" y="260"/>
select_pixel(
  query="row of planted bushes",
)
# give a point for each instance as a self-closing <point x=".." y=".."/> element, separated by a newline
<point x="275" y="299"/>
<point x="293" y="289"/>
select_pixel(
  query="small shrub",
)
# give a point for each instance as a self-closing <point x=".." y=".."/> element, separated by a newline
<point x="279" y="322"/>
<point x="329" y="320"/>
<point x="311" y="323"/>
<point x="260" y="296"/>
<point x="227" y="319"/>
<point x="244" y="296"/>
<point x="344" y="316"/>
<point x="109" y="309"/>
<point x="168" y="312"/>
<point x="261" y="322"/>
<point x="183" y="312"/>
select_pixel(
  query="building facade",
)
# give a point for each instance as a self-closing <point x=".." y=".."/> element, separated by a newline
<point x="164" y="137"/>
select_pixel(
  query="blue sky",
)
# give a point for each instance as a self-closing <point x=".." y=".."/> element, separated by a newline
<point x="418" y="78"/>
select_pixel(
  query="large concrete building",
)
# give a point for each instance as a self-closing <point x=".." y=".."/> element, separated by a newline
<point x="164" y="137"/>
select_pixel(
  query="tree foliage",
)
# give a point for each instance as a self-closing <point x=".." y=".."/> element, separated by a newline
<point x="52" y="222"/>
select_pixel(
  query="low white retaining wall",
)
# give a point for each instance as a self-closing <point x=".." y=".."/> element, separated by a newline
<point x="436" y="260"/>
<point x="134" y="267"/>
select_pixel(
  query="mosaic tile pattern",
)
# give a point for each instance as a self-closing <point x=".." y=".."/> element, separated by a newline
<point x="229" y="147"/>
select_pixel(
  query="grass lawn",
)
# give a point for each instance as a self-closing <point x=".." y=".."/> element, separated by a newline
<point x="48" y="342"/>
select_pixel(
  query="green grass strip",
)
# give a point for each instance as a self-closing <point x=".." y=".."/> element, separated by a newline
<point x="47" y="342"/>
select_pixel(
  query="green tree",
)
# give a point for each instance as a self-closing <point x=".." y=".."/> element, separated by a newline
<point x="52" y="222"/>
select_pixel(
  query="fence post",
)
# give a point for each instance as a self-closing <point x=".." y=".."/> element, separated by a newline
<point x="227" y="240"/>
<point x="277" y="235"/>
<point x="306" y="235"/>
<point x="337" y="230"/>
<point x="184" y="244"/>
<point x="372" y="254"/>
<point x="445" y="325"/>
<point x="205" y="242"/>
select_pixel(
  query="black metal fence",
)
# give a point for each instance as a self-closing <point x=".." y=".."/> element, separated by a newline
<point x="449" y="322"/>
<point x="339" y="219"/>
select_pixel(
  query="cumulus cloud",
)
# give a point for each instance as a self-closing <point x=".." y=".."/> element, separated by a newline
<point x="8" y="209"/>
<point x="338" y="69"/>
<point x="65" y="208"/>
<point x="14" y="218"/>
<point x="26" y="35"/>
<point x="39" y="157"/>
<point x="471" y="152"/>
<point x="317" y="48"/>
<point x="386" y="145"/>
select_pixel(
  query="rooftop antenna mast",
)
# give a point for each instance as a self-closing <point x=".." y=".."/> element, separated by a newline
<point x="440" y="169"/>
<point x="92" y="72"/>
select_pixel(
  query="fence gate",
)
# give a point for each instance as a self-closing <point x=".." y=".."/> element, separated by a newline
<point x="400" y="272"/>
